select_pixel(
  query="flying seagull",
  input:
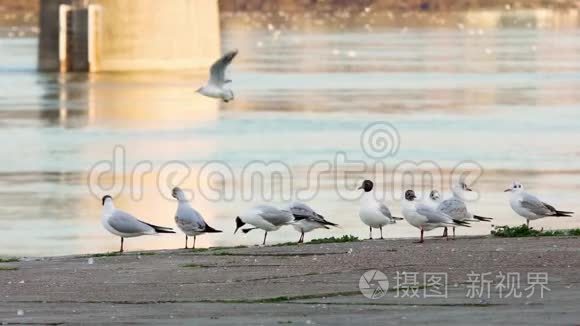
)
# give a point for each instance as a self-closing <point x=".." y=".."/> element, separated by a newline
<point x="424" y="217"/>
<point x="264" y="217"/>
<point x="373" y="212"/>
<point x="188" y="219"/>
<point x="215" y="86"/>
<point x="126" y="225"/>
<point x="307" y="219"/>
<point x="529" y="206"/>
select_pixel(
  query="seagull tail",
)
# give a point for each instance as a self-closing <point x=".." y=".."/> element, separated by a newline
<point x="327" y="222"/>
<point x="248" y="230"/>
<point x="461" y="223"/>
<point x="209" y="229"/>
<point x="161" y="229"/>
<point x="298" y="217"/>
<point x="482" y="218"/>
<point x="564" y="213"/>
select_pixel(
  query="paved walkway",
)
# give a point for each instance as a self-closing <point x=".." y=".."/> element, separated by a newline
<point x="307" y="284"/>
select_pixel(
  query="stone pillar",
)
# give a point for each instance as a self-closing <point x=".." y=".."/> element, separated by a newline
<point x="48" y="40"/>
<point x="130" y="35"/>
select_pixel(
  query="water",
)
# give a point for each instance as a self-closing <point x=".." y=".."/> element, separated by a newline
<point x="458" y="90"/>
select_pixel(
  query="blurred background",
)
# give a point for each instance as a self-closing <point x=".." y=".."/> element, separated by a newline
<point x="495" y="82"/>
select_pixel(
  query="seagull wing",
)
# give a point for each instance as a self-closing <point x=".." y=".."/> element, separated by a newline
<point x="536" y="206"/>
<point x="434" y="216"/>
<point x="455" y="208"/>
<point x="188" y="219"/>
<point x="301" y="210"/>
<point x="127" y="223"/>
<point x="275" y="216"/>
<point x="385" y="211"/>
<point x="218" y="69"/>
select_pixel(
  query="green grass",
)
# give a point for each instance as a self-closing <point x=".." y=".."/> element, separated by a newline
<point x="8" y="260"/>
<point x="523" y="230"/>
<point x="107" y="254"/>
<point x="194" y="266"/>
<point x="284" y="244"/>
<point x="116" y="253"/>
<point x="344" y="238"/>
<point x="222" y="248"/>
<point x="8" y="268"/>
<point x="285" y="298"/>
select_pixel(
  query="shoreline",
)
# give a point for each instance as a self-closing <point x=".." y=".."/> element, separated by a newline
<point x="292" y="284"/>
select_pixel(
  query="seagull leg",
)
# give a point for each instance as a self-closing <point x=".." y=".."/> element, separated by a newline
<point x="444" y="232"/>
<point x="193" y="242"/>
<point x="186" y="241"/>
<point x="265" y="235"/>
<point x="381" y="228"/>
<point x="371" y="232"/>
<point x="421" y="238"/>
<point x="453" y="233"/>
<point x="121" y="244"/>
<point x="528" y="223"/>
<point x="301" y="240"/>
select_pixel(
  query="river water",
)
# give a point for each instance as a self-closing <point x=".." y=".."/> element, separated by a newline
<point x="491" y="93"/>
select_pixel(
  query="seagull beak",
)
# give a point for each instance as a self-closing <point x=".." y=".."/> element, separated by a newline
<point x="468" y="189"/>
<point x="359" y="188"/>
<point x="507" y="190"/>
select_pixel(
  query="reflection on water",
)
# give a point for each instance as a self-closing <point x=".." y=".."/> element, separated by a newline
<point x="497" y="88"/>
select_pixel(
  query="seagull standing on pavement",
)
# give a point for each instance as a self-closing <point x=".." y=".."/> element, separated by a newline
<point x="372" y="212"/>
<point x="424" y="217"/>
<point x="264" y="217"/>
<point x="456" y="208"/>
<point x="126" y="225"/>
<point x="529" y="206"/>
<point x="188" y="219"/>
<point x="307" y="219"/>
<point x="215" y="86"/>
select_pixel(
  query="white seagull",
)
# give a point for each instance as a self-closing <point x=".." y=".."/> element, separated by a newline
<point x="529" y="206"/>
<point x="372" y="212"/>
<point x="264" y="217"/>
<point x="424" y="217"/>
<point x="456" y="208"/>
<point x="434" y="199"/>
<point x="126" y="225"/>
<point x="307" y="219"/>
<point x="188" y="219"/>
<point x="215" y="86"/>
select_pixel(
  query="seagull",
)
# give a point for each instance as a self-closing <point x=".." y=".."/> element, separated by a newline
<point x="456" y="208"/>
<point x="264" y="217"/>
<point x="434" y="199"/>
<point x="372" y="212"/>
<point x="307" y="219"/>
<point x="126" y="225"/>
<point x="424" y="217"/>
<point x="529" y="206"/>
<point x="217" y="80"/>
<point x="188" y="219"/>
